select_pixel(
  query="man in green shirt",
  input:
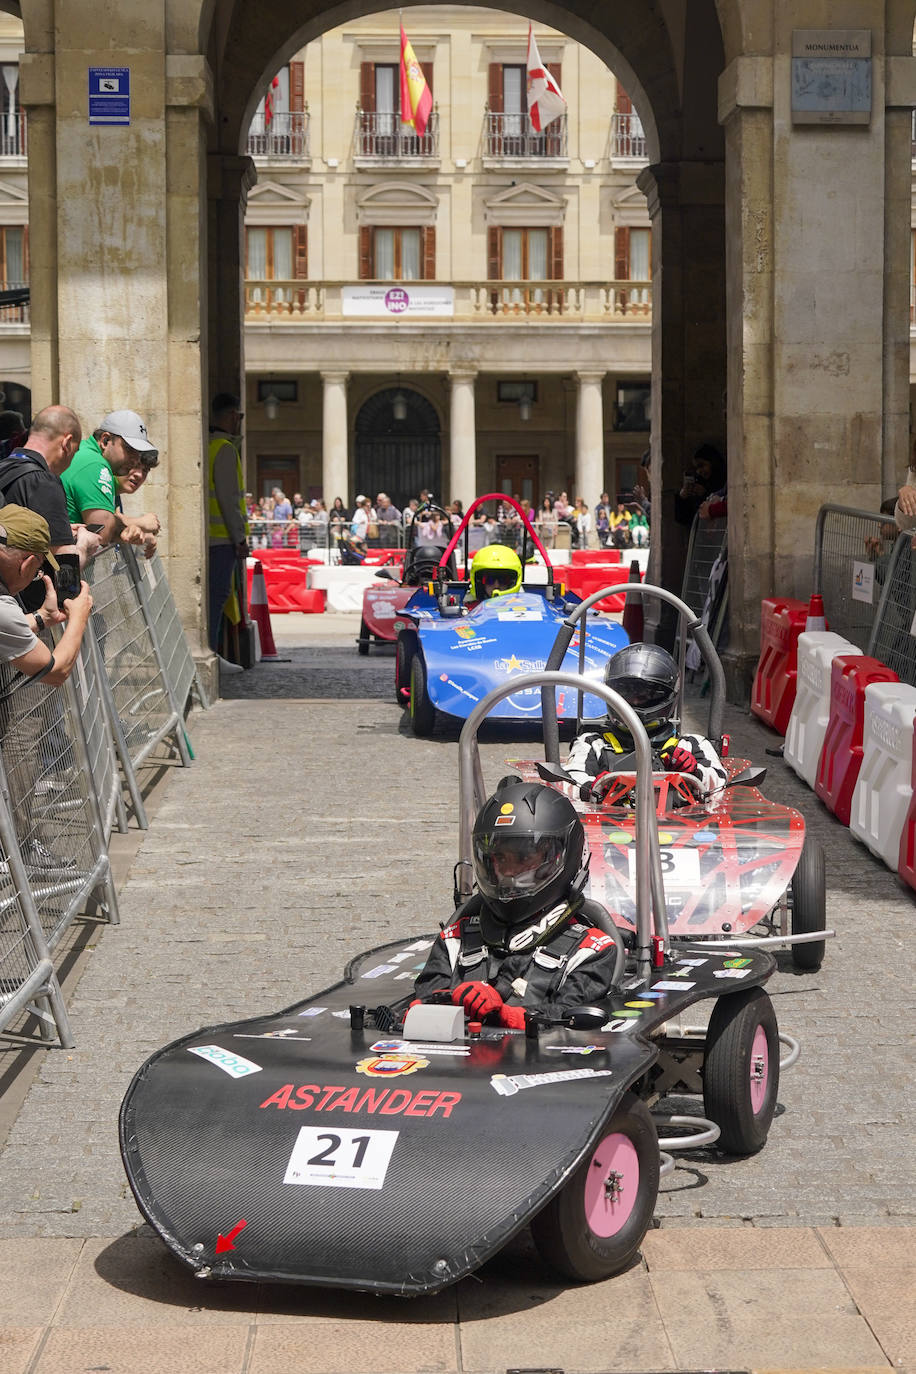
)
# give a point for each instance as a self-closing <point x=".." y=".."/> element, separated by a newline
<point x="118" y="449"/>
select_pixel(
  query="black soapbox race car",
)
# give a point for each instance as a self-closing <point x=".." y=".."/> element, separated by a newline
<point x="344" y="1144"/>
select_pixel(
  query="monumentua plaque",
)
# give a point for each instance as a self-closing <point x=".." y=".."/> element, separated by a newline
<point x="831" y="76"/>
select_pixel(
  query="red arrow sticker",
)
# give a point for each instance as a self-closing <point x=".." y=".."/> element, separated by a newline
<point x="224" y="1243"/>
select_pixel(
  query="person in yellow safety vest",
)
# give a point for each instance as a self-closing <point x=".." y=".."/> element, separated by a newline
<point x="228" y="518"/>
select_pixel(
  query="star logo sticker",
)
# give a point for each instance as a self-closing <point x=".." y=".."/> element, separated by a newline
<point x="513" y="664"/>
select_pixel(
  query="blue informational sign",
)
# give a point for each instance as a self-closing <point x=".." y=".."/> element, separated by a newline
<point x="109" y="95"/>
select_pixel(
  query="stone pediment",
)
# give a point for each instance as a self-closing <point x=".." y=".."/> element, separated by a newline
<point x="526" y="204"/>
<point x="397" y="202"/>
<point x="272" y="202"/>
<point x="14" y="203"/>
<point x="630" y="208"/>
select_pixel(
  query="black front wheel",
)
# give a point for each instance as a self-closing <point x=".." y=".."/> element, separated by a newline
<point x="422" y="711"/>
<point x="808" y="896"/>
<point x="741" y="1070"/>
<point x="403" y="656"/>
<point x="362" y="643"/>
<point x="594" y="1226"/>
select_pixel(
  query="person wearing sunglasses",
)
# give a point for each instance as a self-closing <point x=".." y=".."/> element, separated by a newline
<point x="496" y="570"/>
<point x="119" y="447"/>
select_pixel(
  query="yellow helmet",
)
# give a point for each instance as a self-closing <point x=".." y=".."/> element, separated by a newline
<point x="495" y="571"/>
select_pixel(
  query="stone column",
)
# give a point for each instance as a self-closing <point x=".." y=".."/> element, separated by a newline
<point x="335" y="474"/>
<point x="229" y="179"/>
<point x="589" y="483"/>
<point x="463" y="433"/>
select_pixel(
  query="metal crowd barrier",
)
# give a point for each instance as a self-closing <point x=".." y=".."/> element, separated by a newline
<point x="138" y="697"/>
<point x="852" y="551"/>
<point x="891" y="639"/>
<point x="708" y="540"/>
<point x="27" y="977"/>
<point x="49" y="790"/>
<point x="175" y="652"/>
<point x="103" y="760"/>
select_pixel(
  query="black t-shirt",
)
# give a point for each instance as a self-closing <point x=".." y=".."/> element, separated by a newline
<point x="38" y="489"/>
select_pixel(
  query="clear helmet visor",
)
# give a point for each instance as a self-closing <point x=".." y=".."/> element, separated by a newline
<point x="509" y="867"/>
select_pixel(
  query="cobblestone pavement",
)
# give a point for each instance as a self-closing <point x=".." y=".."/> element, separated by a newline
<point x="308" y="830"/>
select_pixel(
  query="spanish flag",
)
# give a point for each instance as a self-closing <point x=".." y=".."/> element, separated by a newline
<point x="416" y="100"/>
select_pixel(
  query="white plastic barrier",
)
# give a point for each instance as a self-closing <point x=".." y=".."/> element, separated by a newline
<point x="811" y="712"/>
<point x="884" y="789"/>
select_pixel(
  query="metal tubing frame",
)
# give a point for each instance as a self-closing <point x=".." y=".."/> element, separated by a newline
<point x="117" y="731"/>
<point x="176" y="721"/>
<point x="564" y="637"/>
<point x="651" y="912"/>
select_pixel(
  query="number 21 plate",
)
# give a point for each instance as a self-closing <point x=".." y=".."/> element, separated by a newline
<point x="340" y="1159"/>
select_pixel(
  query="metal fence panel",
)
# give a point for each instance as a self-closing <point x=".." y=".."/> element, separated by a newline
<point x="852" y="549"/>
<point x="174" y="650"/>
<point x="891" y="638"/>
<point x="707" y="542"/>
<point x="48" y="788"/>
<point x="26" y="973"/>
<point x="141" y="709"/>
<point x="103" y="759"/>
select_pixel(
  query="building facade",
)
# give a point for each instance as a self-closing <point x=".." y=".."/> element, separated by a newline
<point x="466" y="310"/>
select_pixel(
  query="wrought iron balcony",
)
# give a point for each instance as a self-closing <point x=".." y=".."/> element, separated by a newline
<point x="514" y="136"/>
<point x="286" y="135"/>
<point x="12" y="133"/>
<point x="628" y="138"/>
<point x="14" y="302"/>
<point x="381" y="137"/>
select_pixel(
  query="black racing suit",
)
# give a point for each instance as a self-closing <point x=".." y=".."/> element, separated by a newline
<point x="574" y="965"/>
<point x="595" y="752"/>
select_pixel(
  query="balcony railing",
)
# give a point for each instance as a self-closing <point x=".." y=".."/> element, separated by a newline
<point x="628" y="138"/>
<point x="12" y="133"/>
<point x="285" y="136"/>
<point x="622" y="302"/>
<point x="380" y="135"/>
<point x="513" y="135"/>
<point x="14" y="314"/>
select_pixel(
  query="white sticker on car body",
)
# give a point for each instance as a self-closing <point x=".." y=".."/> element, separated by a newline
<point x="232" y="1064"/>
<point x="340" y="1158"/>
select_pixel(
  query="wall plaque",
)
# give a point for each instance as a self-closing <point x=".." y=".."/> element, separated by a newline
<point x="831" y="76"/>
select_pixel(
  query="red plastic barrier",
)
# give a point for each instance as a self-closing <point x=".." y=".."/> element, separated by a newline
<point x="906" y="863"/>
<point x="841" y="755"/>
<point x="283" y="582"/>
<point x="595" y="556"/>
<point x="309" y="600"/>
<point x="782" y="620"/>
<point x="583" y="581"/>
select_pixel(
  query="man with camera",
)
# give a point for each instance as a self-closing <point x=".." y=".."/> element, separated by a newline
<point x="27" y="732"/>
<point x="117" y="448"/>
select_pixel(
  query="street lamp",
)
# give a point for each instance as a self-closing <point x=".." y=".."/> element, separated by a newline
<point x="271" y="406"/>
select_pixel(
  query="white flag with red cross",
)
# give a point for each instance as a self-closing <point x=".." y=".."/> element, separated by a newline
<point x="545" y="99"/>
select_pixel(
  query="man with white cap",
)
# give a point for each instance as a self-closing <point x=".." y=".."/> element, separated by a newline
<point x="120" y="446"/>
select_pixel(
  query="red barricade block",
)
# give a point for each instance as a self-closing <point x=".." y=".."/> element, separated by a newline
<point x="906" y="863"/>
<point x="782" y="620"/>
<point x="841" y="755"/>
<point x="587" y="556"/>
<point x="584" y="580"/>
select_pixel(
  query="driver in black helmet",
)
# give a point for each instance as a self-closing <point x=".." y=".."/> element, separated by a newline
<point x="527" y="938"/>
<point x="647" y="677"/>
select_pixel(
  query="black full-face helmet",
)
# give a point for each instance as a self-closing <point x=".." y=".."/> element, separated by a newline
<point x="422" y="563"/>
<point x="529" y="851"/>
<point x="647" y="677"/>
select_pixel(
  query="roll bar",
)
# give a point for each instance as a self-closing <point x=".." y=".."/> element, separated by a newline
<point x="466" y="520"/>
<point x="693" y="626"/>
<point x="651" y="913"/>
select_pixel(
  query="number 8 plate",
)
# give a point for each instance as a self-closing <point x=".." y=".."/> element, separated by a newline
<point x="340" y="1159"/>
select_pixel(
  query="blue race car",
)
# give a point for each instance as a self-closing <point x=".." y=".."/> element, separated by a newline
<point x="458" y="640"/>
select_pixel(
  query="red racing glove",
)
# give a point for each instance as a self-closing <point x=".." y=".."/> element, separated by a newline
<point x="597" y="790"/>
<point x="682" y="761"/>
<point x="513" y="1018"/>
<point x="478" y="999"/>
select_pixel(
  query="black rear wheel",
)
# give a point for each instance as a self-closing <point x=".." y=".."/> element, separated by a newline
<point x="363" y="641"/>
<point x="404" y="651"/>
<point x="808" y="895"/>
<point x="741" y="1070"/>
<point x="594" y="1226"/>
<point x="422" y="711"/>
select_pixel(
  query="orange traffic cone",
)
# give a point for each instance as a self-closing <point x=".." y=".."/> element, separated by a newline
<point x="257" y="609"/>
<point x="816" y="620"/>
<point x="632" y="607"/>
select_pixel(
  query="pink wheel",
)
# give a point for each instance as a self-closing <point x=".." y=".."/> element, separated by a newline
<point x="593" y="1227"/>
<point x="611" y="1185"/>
